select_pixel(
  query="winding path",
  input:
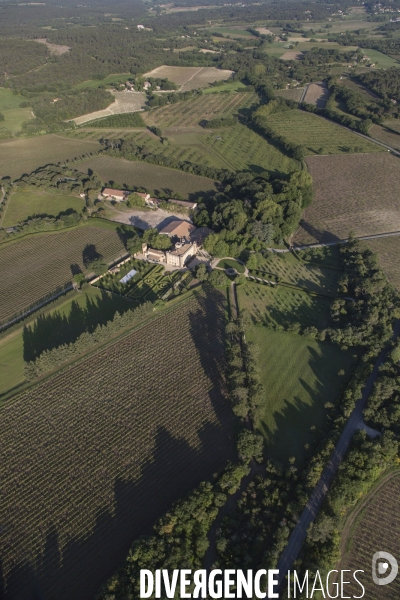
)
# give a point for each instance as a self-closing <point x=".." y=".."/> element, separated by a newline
<point x="299" y="533"/>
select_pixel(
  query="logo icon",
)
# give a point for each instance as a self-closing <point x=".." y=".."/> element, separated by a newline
<point x="381" y="561"/>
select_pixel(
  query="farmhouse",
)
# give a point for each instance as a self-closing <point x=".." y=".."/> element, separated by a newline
<point x="118" y="195"/>
<point x="146" y="197"/>
<point x="179" y="229"/>
<point x="183" y="203"/>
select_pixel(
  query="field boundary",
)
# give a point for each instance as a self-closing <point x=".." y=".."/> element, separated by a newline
<point x="8" y="396"/>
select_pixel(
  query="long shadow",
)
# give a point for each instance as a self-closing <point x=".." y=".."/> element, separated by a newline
<point x="319" y="235"/>
<point x="207" y="327"/>
<point x="54" y="329"/>
<point x="294" y="420"/>
<point x="77" y="570"/>
<point x="90" y="254"/>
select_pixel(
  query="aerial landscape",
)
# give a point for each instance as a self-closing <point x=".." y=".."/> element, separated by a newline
<point x="199" y="299"/>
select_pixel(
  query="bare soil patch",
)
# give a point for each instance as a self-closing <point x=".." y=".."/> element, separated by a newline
<point x="125" y="102"/>
<point x="54" y="48"/>
<point x="190" y="78"/>
<point x="358" y="192"/>
<point x="317" y="94"/>
<point x="264" y="31"/>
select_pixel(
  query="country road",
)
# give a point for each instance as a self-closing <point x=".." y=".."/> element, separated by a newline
<point x="373" y="236"/>
<point x="299" y="533"/>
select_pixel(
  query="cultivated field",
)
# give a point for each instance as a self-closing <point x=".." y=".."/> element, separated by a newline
<point x="317" y="94"/>
<point x="24" y="155"/>
<point x="388" y="251"/>
<point x="241" y="148"/>
<point x="191" y="112"/>
<point x="40" y="263"/>
<point x="384" y="135"/>
<point x="54" y="48"/>
<point x="318" y="135"/>
<point x="190" y="78"/>
<point x="14" y="115"/>
<point x="86" y="309"/>
<point x="299" y="375"/>
<point x="358" y="192"/>
<point x="125" y="102"/>
<point x="293" y="94"/>
<point x="27" y="204"/>
<point x="375" y="527"/>
<point x="93" y="455"/>
<point x="292" y="55"/>
<point x="153" y="178"/>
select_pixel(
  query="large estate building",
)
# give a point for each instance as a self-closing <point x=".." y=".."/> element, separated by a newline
<point x="183" y="252"/>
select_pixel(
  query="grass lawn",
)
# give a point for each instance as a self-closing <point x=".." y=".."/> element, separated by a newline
<point x="13" y="114"/>
<point x="12" y="345"/>
<point x="226" y="263"/>
<point x="26" y="204"/>
<point x="318" y="135"/>
<point x="299" y="376"/>
<point x="232" y="86"/>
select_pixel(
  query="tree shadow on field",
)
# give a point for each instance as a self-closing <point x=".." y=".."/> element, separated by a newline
<point x="319" y="235"/>
<point x="302" y="419"/>
<point x="54" y="329"/>
<point x="207" y="328"/>
<point x="89" y="254"/>
<point x="79" y="569"/>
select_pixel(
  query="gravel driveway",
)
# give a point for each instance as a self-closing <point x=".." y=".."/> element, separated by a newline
<point x="146" y="219"/>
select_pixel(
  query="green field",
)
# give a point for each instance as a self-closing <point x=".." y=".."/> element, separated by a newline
<point x="90" y="301"/>
<point x="24" y="155"/>
<point x="318" y="135"/>
<point x="208" y="106"/>
<point x="242" y="148"/>
<point x="26" y="204"/>
<point x="287" y="269"/>
<point x="14" y="115"/>
<point x="155" y="179"/>
<point x="229" y="31"/>
<point x="110" y="80"/>
<point x="281" y="307"/>
<point x="232" y="86"/>
<point x="299" y="375"/>
<point x="382" y="61"/>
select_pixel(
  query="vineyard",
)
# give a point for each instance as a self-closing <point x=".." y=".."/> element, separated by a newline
<point x="156" y="180"/>
<point x="150" y="283"/>
<point x="388" y="251"/>
<point x="24" y="155"/>
<point x="125" y="102"/>
<point x="318" y="135"/>
<point x="39" y="264"/>
<point x="241" y="148"/>
<point x="375" y="527"/>
<point x="94" y="454"/>
<point x="191" y="112"/>
<point x="356" y="192"/>
<point x="190" y="78"/>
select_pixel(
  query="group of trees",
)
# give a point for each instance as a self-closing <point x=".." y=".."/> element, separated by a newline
<point x="385" y="83"/>
<point x="50" y="359"/>
<point x="252" y="210"/>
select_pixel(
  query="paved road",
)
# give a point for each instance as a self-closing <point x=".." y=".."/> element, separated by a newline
<point x="299" y="533"/>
